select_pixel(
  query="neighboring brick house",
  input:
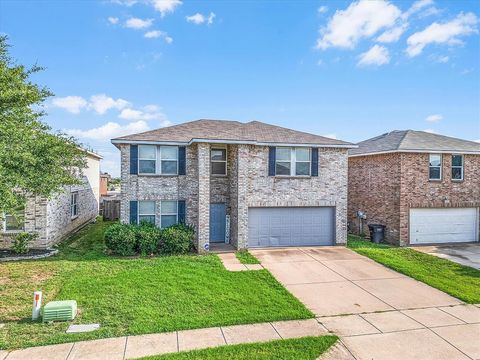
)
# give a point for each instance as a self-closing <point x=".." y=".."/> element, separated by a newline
<point x="247" y="184"/>
<point x="424" y="187"/>
<point x="53" y="219"/>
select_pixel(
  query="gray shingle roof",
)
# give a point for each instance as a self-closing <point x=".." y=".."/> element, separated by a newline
<point x="411" y="141"/>
<point x="223" y="130"/>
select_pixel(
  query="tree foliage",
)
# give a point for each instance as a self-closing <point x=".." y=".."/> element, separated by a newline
<point x="33" y="159"/>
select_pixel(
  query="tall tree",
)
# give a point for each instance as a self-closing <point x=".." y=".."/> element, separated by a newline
<point x="33" y="159"/>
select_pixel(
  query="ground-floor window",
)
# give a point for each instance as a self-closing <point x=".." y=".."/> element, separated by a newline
<point x="14" y="221"/>
<point x="169" y="213"/>
<point x="74" y="204"/>
<point x="146" y="212"/>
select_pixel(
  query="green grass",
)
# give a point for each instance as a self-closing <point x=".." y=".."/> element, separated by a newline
<point x="135" y="295"/>
<point x="307" y="348"/>
<point x="246" y="258"/>
<point x="460" y="281"/>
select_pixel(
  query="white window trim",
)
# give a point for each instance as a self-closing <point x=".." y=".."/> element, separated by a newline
<point x="4" y="226"/>
<point x="156" y="160"/>
<point x="169" y="214"/>
<point x="219" y="161"/>
<point x="138" y="211"/>
<point x="440" y="166"/>
<point x="456" y="166"/>
<point x="159" y="163"/>
<point x="73" y="204"/>
<point x="293" y="162"/>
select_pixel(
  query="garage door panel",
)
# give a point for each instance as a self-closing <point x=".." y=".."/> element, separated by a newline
<point x="299" y="226"/>
<point x="443" y="225"/>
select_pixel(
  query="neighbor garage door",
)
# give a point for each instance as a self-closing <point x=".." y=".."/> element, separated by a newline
<point x="443" y="225"/>
<point x="291" y="226"/>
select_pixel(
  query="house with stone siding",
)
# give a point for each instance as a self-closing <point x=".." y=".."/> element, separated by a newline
<point x="243" y="184"/>
<point x="424" y="187"/>
<point x="55" y="218"/>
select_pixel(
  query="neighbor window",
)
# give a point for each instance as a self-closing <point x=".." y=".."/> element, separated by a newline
<point x="74" y="204"/>
<point x="147" y="159"/>
<point x="457" y="167"/>
<point x="435" y="167"/>
<point x="14" y="221"/>
<point x="167" y="163"/>
<point x="168" y="211"/>
<point x="293" y="161"/>
<point x="146" y="212"/>
<point x="218" y="159"/>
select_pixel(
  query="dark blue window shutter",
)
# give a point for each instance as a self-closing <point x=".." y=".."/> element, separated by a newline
<point x="134" y="159"/>
<point x="182" y="160"/>
<point x="133" y="212"/>
<point x="181" y="211"/>
<point x="314" y="161"/>
<point x="272" y="154"/>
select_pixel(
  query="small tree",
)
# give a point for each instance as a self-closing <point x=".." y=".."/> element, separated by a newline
<point x="33" y="160"/>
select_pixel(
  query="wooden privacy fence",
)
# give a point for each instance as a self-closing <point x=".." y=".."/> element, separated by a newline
<point x="110" y="209"/>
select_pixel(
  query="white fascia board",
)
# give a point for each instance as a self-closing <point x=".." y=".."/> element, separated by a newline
<point x="422" y="151"/>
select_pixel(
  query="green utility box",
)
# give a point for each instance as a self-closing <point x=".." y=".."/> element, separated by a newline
<point x="60" y="310"/>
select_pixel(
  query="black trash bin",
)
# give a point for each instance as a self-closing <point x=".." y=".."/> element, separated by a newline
<point x="377" y="233"/>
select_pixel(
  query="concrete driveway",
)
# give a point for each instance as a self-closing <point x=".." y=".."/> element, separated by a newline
<point x="465" y="254"/>
<point x="379" y="313"/>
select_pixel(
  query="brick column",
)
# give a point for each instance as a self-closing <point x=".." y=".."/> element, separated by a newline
<point x="203" y="226"/>
<point x="242" y="216"/>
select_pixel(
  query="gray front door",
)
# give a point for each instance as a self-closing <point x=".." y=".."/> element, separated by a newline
<point x="291" y="226"/>
<point x="217" y="222"/>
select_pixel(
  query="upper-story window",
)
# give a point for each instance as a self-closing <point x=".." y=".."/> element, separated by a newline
<point x="218" y="159"/>
<point x="457" y="167"/>
<point x="293" y="161"/>
<point x="435" y="167"/>
<point x="14" y="221"/>
<point x="74" y="205"/>
<point x="167" y="163"/>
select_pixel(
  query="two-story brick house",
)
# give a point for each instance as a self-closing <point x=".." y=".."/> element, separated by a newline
<point x="424" y="187"/>
<point x="247" y="184"/>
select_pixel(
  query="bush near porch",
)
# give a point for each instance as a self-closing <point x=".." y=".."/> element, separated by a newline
<point x="130" y="296"/>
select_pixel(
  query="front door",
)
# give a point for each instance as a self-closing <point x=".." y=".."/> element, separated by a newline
<point x="217" y="222"/>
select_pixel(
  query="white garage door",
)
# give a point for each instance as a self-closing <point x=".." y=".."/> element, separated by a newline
<point x="443" y="225"/>
<point x="291" y="226"/>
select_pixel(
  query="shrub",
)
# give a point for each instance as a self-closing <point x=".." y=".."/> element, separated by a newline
<point x="22" y="241"/>
<point x="121" y="239"/>
<point x="177" y="239"/>
<point x="148" y="238"/>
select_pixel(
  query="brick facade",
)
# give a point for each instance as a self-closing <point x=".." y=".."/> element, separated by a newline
<point x="387" y="186"/>
<point x="246" y="184"/>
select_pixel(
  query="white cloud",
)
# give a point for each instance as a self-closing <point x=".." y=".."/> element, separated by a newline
<point x="137" y="23"/>
<point x="124" y="2"/>
<point x="113" y="20"/>
<point x="442" y="33"/>
<point x="434" y="118"/>
<point x="362" y="19"/>
<point x="442" y="59"/>
<point x="393" y="34"/>
<point x="149" y="112"/>
<point x="431" y="131"/>
<point x="416" y="6"/>
<point x="109" y="130"/>
<point x="101" y="103"/>
<point x="72" y="104"/>
<point x="168" y="39"/>
<point x="322" y="9"/>
<point x="165" y="6"/>
<point x="376" y="55"/>
<point x="158" y="34"/>
<point x="200" y="18"/>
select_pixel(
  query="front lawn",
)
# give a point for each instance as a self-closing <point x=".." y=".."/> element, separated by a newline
<point x="307" y="348"/>
<point x="460" y="281"/>
<point x="246" y="258"/>
<point x="136" y="295"/>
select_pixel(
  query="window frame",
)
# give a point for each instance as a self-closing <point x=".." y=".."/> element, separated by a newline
<point x="73" y="205"/>
<point x="439" y="166"/>
<point x="158" y="160"/>
<point x="293" y="161"/>
<point x="462" y="167"/>
<point x="219" y="161"/>
<point x="12" y="231"/>
<point x="154" y="211"/>
<point x="168" y="214"/>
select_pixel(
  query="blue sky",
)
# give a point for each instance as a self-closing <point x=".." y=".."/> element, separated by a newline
<point x="346" y="69"/>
